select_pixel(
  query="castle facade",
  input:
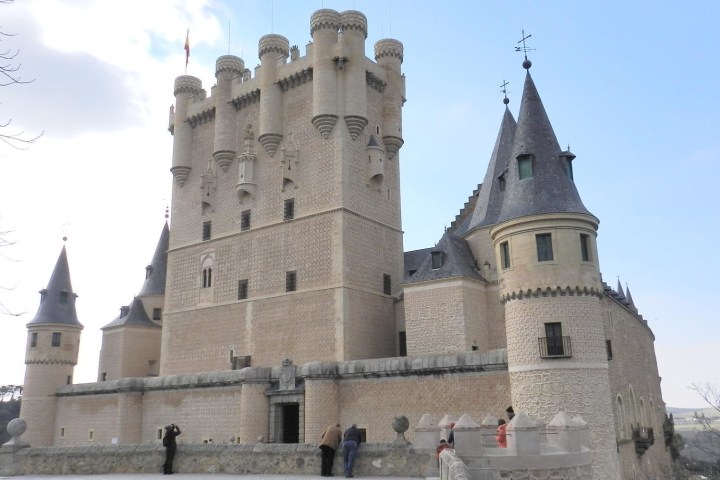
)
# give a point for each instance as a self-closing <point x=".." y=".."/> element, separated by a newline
<point x="280" y="300"/>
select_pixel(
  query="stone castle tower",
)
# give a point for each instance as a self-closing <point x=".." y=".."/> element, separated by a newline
<point x="286" y="196"/>
<point x="51" y="352"/>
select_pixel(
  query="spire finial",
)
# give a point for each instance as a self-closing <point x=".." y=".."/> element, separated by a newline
<point x="526" y="63"/>
<point x="504" y="85"/>
<point x="167" y="212"/>
<point x="65" y="230"/>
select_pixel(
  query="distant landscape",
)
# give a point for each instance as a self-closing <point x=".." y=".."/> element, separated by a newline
<point x="684" y="417"/>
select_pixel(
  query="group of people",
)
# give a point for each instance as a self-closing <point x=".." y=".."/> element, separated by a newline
<point x="500" y="435"/>
<point x="331" y="438"/>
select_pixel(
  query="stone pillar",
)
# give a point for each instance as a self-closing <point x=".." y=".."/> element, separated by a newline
<point x="488" y="429"/>
<point x="186" y="87"/>
<point x="468" y="436"/>
<point x="321" y="407"/>
<point x="353" y="25"/>
<point x="254" y="412"/>
<point x="427" y="434"/>
<point x="523" y="435"/>
<point x="227" y="69"/>
<point x="324" y="28"/>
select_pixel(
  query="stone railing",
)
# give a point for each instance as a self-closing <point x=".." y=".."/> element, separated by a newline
<point x="559" y="448"/>
<point x="373" y="460"/>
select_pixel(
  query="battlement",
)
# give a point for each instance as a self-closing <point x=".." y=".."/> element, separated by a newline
<point x="273" y="43"/>
<point x="325" y="18"/>
<point x="229" y="63"/>
<point x="388" y="47"/>
<point x="353" y="20"/>
<point x="187" y="84"/>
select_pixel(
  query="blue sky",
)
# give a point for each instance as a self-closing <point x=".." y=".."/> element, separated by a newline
<point x="630" y="86"/>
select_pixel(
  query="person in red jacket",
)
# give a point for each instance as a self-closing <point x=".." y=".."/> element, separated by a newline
<point x="501" y="436"/>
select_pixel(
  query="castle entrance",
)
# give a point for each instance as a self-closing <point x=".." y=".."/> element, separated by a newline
<point x="290" y="423"/>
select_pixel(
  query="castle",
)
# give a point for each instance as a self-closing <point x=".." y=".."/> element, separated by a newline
<point x="281" y="299"/>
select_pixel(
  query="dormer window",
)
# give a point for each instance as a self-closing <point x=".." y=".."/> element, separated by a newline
<point x="525" y="166"/>
<point x="502" y="181"/>
<point x="437" y="259"/>
<point x="43" y="294"/>
<point x="63" y="297"/>
<point x="148" y="271"/>
<point x="569" y="170"/>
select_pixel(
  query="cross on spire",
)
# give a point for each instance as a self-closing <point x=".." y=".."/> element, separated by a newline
<point x="527" y="63"/>
<point x="504" y="85"/>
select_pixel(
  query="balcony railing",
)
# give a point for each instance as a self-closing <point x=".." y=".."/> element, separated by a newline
<point x="555" y="347"/>
<point x="643" y="437"/>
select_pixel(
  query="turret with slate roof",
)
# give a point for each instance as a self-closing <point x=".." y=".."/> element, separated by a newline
<point x="450" y="258"/>
<point x="156" y="272"/>
<point x="51" y="352"/>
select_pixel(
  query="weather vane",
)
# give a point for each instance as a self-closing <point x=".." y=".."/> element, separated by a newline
<point x="504" y="85"/>
<point x="527" y="63"/>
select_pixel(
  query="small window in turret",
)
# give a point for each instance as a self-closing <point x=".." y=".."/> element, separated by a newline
<point x="157" y="314"/>
<point x="206" y="230"/>
<point x="585" y="247"/>
<point x="544" y="247"/>
<point x="569" y="170"/>
<point x="505" y="255"/>
<point x="525" y="166"/>
<point x="63" y="297"/>
<point x="56" y="336"/>
<point x="33" y="339"/>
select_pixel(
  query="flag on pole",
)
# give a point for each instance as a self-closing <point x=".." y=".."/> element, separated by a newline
<point x="187" y="47"/>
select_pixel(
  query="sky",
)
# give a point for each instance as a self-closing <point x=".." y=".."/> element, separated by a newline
<point x="631" y="87"/>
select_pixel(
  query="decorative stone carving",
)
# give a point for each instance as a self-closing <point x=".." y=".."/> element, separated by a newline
<point x="15" y="428"/>
<point x="400" y="425"/>
<point x="287" y="375"/>
<point x="290" y="161"/>
<point x="246" y="166"/>
<point x="208" y="187"/>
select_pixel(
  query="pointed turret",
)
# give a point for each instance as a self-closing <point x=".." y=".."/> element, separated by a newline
<point x="155" y="273"/>
<point x="450" y="258"/>
<point x="57" y="301"/>
<point x="133" y="315"/>
<point x="539" y="179"/>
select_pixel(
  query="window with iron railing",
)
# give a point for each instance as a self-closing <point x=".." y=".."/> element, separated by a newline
<point x="555" y="346"/>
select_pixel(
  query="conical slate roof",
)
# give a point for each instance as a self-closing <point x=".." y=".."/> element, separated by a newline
<point x="157" y="270"/>
<point x="457" y="261"/>
<point x="550" y="189"/>
<point x="133" y="315"/>
<point x="57" y="304"/>
<point x="490" y="196"/>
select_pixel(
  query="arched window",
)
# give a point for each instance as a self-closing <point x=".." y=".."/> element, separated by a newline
<point x="206" y="264"/>
<point x="207" y="277"/>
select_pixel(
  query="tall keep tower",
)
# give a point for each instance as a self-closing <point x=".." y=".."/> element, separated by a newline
<point x="549" y="280"/>
<point x="51" y="354"/>
<point x="286" y="237"/>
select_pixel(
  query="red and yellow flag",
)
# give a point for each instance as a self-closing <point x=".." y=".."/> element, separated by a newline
<point x="187" y="47"/>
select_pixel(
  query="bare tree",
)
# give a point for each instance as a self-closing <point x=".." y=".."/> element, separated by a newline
<point x="10" y="75"/>
<point x="708" y="440"/>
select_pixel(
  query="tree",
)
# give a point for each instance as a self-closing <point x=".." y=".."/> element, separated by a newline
<point x="707" y="440"/>
<point x="9" y="75"/>
<point x="10" y="399"/>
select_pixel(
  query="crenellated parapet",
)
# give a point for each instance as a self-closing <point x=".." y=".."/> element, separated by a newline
<point x="389" y="48"/>
<point x="229" y="64"/>
<point x="273" y="43"/>
<point x="296" y="79"/>
<point x="246" y="99"/>
<point x="187" y="84"/>
<point x="325" y="18"/>
<point x="352" y="20"/>
<point x="557" y="291"/>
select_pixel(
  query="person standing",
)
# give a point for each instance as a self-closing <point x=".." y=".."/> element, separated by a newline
<point x="171" y="431"/>
<point x="501" y="435"/>
<point x="351" y="441"/>
<point x="329" y="441"/>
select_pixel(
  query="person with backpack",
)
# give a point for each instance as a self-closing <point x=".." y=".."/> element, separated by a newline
<point x="171" y="431"/>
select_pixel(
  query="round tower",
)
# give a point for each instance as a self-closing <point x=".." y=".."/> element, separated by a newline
<point x="227" y="68"/>
<point x="271" y="49"/>
<point x="185" y="87"/>
<point x="51" y="354"/>
<point x="389" y="55"/>
<point x="353" y="25"/>
<point x="324" y="30"/>
<point x="549" y="282"/>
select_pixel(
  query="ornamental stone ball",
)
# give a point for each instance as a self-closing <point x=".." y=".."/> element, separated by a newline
<point x="401" y="424"/>
<point x="16" y="427"/>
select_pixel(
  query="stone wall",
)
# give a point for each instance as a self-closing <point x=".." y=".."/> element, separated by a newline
<point x="372" y="460"/>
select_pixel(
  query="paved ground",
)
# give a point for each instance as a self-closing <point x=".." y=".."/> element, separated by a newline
<point x="189" y="476"/>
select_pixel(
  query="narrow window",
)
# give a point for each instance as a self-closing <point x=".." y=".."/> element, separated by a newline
<point x="242" y="289"/>
<point x="608" y="347"/>
<point x="207" y="230"/>
<point x="525" y="166"/>
<point x="290" y="281"/>
<point x="43" y="294"/>
<point x="402" y="344"/>
<point x="69" y="379"/>
<point x="148" y="271"/>
<point x="437" y="259"/>
<point x="585" y="247"/>
<point x="505" y="255"/>
<point x="56" y="339"/>
<point x="103" y="377"/>
<point x="91" y="434"/>
<point x="157" y="313"/>
<point x="245" y="220"/>
<point x="554" y="337"/>
<point x="62" y="432"/>
<point x="544" y="247"/>
<point x="289" y="209"/>
<point x="33" y="339"/>
<point x="159" y="434"/>
<point x="63" y="297"/>
<point x="569" y="170"/>
<point x="387" y="284"/>
<point x="207" y="277"/>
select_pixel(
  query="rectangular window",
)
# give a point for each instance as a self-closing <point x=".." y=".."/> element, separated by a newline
<point x="63" y="298"/>
<point x="505" y="255"/>
<point x="290" y="281"/>
<point x="103" y="378"/>
<point x="69" y="379"/>
<point x="56" y="336"/>
<point x="544" y="247"/>
<point x="402" y="344"/>
<point x="554" y="337"/>
<point x="242" y="289"/>
<point x="91" y="434"/>
<point x="608" y="347"/>
<point x="525" y="166"/>
<point x="207" y="231"/>
<point x="585" y="247"/>
<point x="33" y="339"/>
<point x="245" y="220"/>
<point x="387" y="284"/>
<point x="289" y="210"/>
<point x="437" y="259"/>
<point x="159" y="434"/>
<point x="62" y="432"/>
<point x="157" y="313"/>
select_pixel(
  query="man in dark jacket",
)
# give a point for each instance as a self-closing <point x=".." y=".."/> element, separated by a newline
<point x="171" y="431"/>
<point x="351" y="441"/>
